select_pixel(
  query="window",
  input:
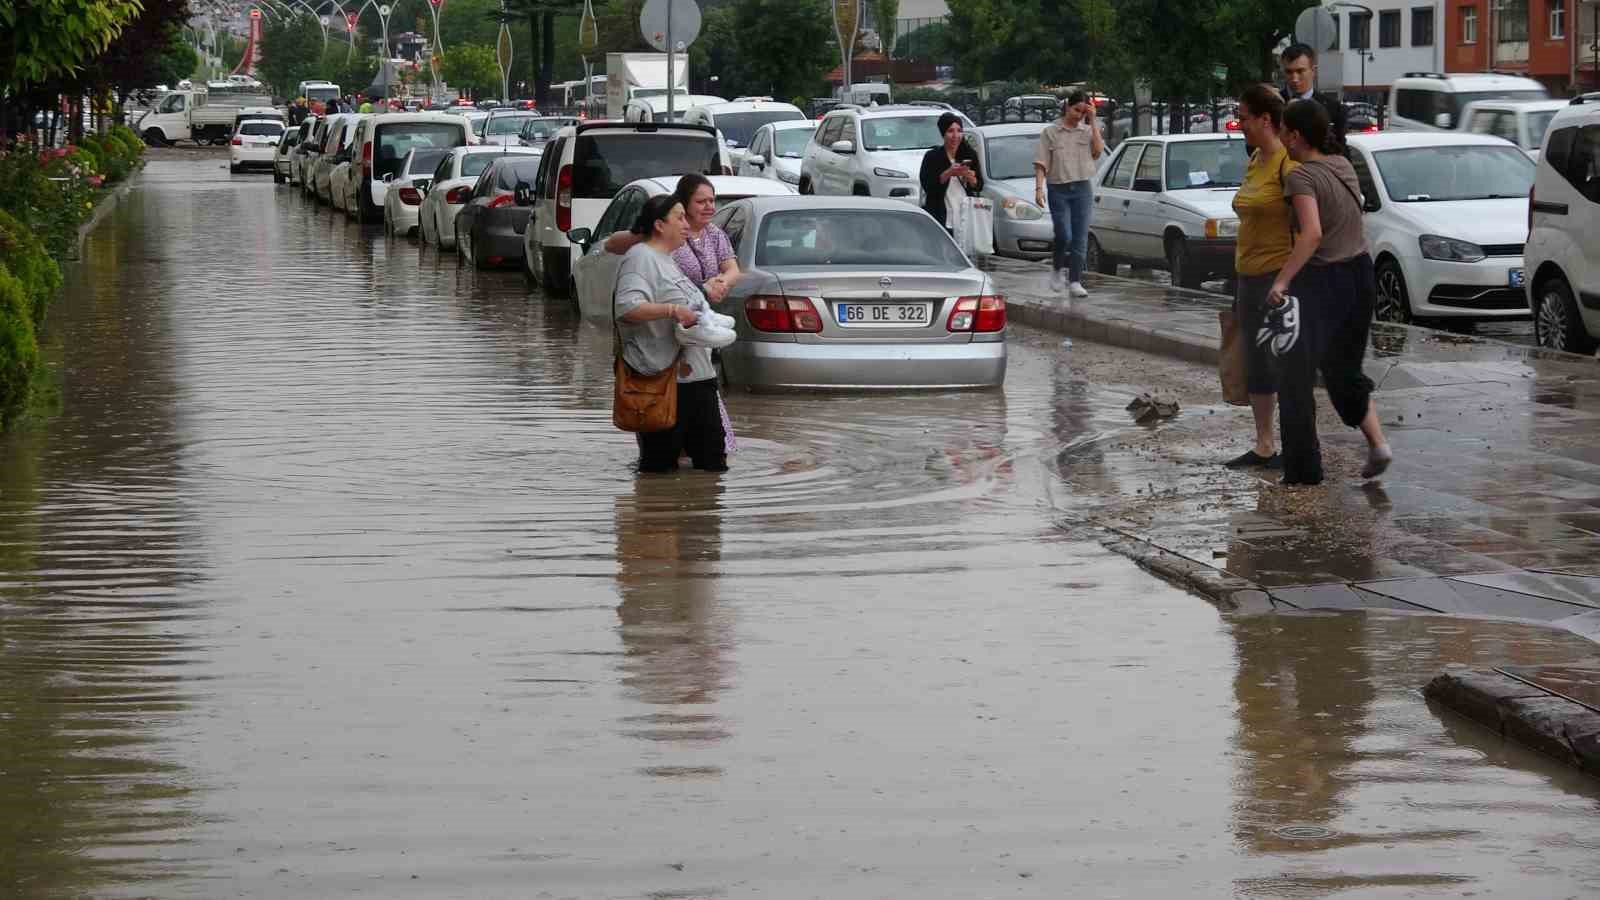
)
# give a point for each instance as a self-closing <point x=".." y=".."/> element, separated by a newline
<point x="1461" y="172"/>
<point x="902" y="133"/>
<point x="1583" y="163"/>
<point x="1469" y="25"/>
<point x="1558" y="18"/>
<point x="831" y="129"/>
<point x="1205" y="164"/>
<point x="1369" y="188"/>
<point x="1483" y="121"/>
<point x="875" y="238"/>
<point x="1120" y="175"/>
<point x="1559" y="151"/>
<point x="848" y="132"/>
<point x="739" y="127"/>
<point x="603" y="163"/>
<point x="1422" y="27"/>
<point x="736" y="226"/>
<point x="1512" y="22"/>
<point x="1360" y="31"/>
<point x="424" y="161"/>
<point x="442" y="173"/>
<point x="1148" y="176"/>
<point x="1389" y="28"/>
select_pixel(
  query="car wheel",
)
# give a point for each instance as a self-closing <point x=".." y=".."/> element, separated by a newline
<point x="1393" y="302"/>
<point x="860" y="190"/>
<point x="366" y="210"/>
<point x="550" y="278"/>
<point x="154" y="137"/>
<point x="1184" y="272"/>
<point x="1098" y="259"/>
<point x="1557" y="324"/>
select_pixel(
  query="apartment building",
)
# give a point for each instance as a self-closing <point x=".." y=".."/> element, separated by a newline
<point x="1544" y="39"/>
<point x="1381" y="41"/>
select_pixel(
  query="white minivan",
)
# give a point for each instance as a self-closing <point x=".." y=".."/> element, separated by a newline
<point x="380" y="146"/>
<point x="1431" y="101"/>
<point x="739" y="120"/>
<point x="1563" y="256"/>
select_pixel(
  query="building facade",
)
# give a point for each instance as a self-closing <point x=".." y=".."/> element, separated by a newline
<point x="1381" y="41"/>
<point x="1544" y="39"/>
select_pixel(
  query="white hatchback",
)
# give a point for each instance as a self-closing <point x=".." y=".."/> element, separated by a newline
<point x="1446" y="223"/>
<point x="254" y="145"/>
<point x="1563" y="250"/>
<point x="776" y="150"/>
<point x="403" y="199"/>
<point x="450" y="187"/>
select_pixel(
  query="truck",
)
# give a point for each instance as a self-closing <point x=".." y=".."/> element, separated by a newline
<point x="317" y="93"/>
<point x="630" y="75"/>
<point x="196" y="116"/>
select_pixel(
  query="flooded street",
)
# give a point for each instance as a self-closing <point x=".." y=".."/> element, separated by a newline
<point x="332" y="578"/>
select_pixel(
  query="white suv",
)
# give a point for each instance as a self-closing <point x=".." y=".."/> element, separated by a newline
<point x="1430" y="101"/>
<point x="1564" y="216"/>
<point x="873" y="151"/>
<point x="738" y="121"/>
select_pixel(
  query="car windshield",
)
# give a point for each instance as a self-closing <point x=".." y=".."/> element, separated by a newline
<point x="855" y="237"/>
<point x="1470" y="172"/>
<point x="791" y="142"/>
<point x="1538" y="124"/>
<point x="1011" y="156"/>
<point x="423" y="162"/>
<point x="506" y="124"/>
<point x="478" y="123"/>
<point x="739" y="127"/>
<point x="900" y="133"/>
<point x="602" y="163"/>
<point x="395" y="141"/>
<point x="537" y="129"/>
<point x="258" y="127"/>
<point x="1205" y="164"/>
<point x="511" y="171"/>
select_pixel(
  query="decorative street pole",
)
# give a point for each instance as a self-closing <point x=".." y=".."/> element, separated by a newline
<point x="435" y="51"/>
<point x="588" y="40"/>
<point x="503" y="54"/>
<point x="846" y="21"/>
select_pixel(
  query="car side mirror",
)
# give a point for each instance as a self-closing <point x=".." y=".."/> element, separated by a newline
<point x="583" y="237"/>
<point x="1371" y="204"/>
<point x="1442" y="120"/>
<point x="523" y="194"/>
<point x="1148" y="185"/>
<point x="842" y="147"/>
<point x="756" y="160"/>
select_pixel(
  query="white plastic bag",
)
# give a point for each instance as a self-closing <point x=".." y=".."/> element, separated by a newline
<point x="977" y="221"/>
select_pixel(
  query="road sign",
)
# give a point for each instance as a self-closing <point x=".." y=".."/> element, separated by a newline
<point x="255" y="13"/>
<point x="1220" y="73"/>
<point x="685" y="20"/>
<point x="1317" y="29"/>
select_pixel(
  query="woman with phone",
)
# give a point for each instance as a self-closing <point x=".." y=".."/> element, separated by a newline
<point x="951" y="166"/>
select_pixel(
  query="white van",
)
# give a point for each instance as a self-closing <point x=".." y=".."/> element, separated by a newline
<point x="1563" y="257"/>
<point x="738" y="121"/>
<point x="1430" y="101"/>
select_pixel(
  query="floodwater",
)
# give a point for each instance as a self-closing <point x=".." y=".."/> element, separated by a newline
<point x="331" y="579"/>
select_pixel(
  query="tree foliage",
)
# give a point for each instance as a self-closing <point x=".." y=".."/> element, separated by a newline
<point x="886" y="14"/>
<point x="784" y="47"/>
<point x="471" y="68"/>
<point x="292" y="52"/>
<point x="45" y="39"/>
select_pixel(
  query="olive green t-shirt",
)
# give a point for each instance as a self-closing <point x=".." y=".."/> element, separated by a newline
<point x="1332" y="182"/>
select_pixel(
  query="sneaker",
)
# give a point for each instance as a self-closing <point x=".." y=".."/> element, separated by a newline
<point x="1058" y="280"/>
<point x="1077" y="290"/>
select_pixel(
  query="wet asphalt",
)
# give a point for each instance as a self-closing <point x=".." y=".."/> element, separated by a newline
<point x="331" y="578"/>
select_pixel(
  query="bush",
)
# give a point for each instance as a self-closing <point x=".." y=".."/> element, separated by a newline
<point x="24" y="255"/>
<point x="129" y="139"/>
<point x="19" y="348"/>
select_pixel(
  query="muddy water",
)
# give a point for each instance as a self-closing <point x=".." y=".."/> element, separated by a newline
<point x="332" y="579"/>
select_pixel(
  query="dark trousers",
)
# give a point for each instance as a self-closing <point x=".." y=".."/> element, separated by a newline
<point x="1250" y="307"/>
<point x="1335" y="316"/>
<point x="697" y="431"/>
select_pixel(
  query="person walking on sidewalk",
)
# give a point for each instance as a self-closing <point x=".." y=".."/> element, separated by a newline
<point x="950" y="170"/>
<point x="1320" y="304"/>
<point x="1063" y="173"/>
<point x="1300" y="74"/>
<point x="1265" y="239"/>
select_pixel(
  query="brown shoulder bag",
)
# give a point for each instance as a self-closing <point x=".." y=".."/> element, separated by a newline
<point x="642" y="403"/>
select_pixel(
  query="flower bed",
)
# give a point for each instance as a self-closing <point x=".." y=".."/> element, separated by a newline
<point x="45" y="195"/>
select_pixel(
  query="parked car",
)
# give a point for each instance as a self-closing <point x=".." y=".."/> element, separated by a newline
<point x="335" y="150"/>
<point x="1522" y="122"/>
<point x="382" y="142"/>
<point x="1563" y="255"/>
<point x="450" y="187"/>
<point x="776" y="150"/>
<point x="538" y="130"/>
<point x="490" y="225"/>
<point x="1031" y="108"/>
<point x="1167" y="201"/>
<point x="1446" y="222"/>
<point x="595" y="273"/>
<point x="856" y="292"/>
<point x="654" y="109"/>
<point x="403" y="199"/>
<point x="504" y="126"/>
<point x="871" y="151"/>
<point x="1433" y="101"/>
<point x="586" y="165"/>
<point x="254" y="145"/>
<point x="1021" y="228"/>
<point x="302" y="152"/>
<point x="738" y="121"/>
<point x="288" y="139"/>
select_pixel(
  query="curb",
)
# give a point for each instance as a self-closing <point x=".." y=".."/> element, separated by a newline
<point x="1081" y="323"/>
<point x="103" y="209"/>
<point x="1517" y="711"/>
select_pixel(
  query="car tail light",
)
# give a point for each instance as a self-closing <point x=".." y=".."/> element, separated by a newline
<point x="458" y="194"/>
<point x="1233" y="125"/>
<point x="784" y="315"/>
<point x="501" y="200"/>
<point x="981" y="314"/>
<point x="564" y="200"/>
<point x="237" y="142"/>
<point x="366" y="155"/>
<point x="410" y="196"/>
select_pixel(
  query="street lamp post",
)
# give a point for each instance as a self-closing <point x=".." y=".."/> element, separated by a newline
<point x="1366" y="43"/>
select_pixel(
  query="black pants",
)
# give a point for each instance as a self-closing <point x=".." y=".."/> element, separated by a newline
<point x="1335" y="316"/>
<point x="698" y="431"/>
<point x="1250" y="307"/>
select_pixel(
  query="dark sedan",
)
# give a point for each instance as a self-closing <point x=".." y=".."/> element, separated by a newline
<point x="489" y="228"/>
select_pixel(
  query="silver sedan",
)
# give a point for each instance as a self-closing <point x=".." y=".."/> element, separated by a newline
<point x="1021" y="227"/>
<point x="857" y="292"/>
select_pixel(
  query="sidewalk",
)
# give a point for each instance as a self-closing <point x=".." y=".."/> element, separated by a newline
<point x="1491" y="510"/>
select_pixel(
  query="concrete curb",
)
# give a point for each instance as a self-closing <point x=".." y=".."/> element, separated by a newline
<point x="104" y="208"/>
<point x="1092" y="324"/>
<point x="1517" y="711"/>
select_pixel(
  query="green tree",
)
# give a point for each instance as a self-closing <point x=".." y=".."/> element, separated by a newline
<point x="886" y="15"/>
<point x="784" y="46"/>
<point x="44" y="40"/>
<point x="471" y="68"/>
<point x="469" y="22"/>
<point x="291" y="52"/>
<point x="930" y="42"/>
<point x="986" y="28"/>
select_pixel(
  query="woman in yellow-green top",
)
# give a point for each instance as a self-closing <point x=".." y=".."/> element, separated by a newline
<point x="1265" y="240"/>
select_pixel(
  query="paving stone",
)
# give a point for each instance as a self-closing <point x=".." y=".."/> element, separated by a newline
<point x="1541" y="723"/>
<point x="1456" y="597"/>
<point x="1478" y="695"/>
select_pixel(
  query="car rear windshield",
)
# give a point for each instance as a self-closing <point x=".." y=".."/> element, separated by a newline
<point x="424" y="162"/>
<point x="1538" y="124"/>
<point x="320" y="94"/>
<point x="395" y="141"/>
<point x="603" y="163"/>
<point x="511" y="171"/>
<point x="900" y="133"/>
<point x="1461" y="99"/>
<point x="855" y="237"/>
<point x="473" y="164"/>
<point x="1433" y="174"/>
<point x="739" y="127"/>
<point x="1205" y="164"/>
<point x="537" y="129"/>
<point x="506" y="125"/>
<point x="258" y="127"/>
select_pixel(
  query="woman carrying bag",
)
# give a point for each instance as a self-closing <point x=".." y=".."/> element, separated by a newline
<point x="652" y="298"/>
<point x="950" y="172"/>
<point x="1320" y="304"/>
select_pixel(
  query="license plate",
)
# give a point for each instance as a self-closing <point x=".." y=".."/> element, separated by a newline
<point x="1517" y="277"/>
<point x="887" y="314"/>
